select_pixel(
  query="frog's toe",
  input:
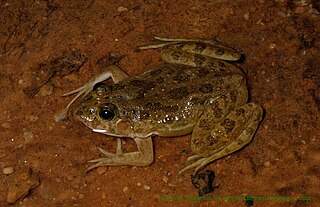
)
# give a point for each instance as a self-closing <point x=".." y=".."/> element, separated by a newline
<point x="192" y="159"/>
<point x="99" y="162"/>
<point x="194" y="166"/>
<point x="109" y="159"/>
<point x="106" y="153"/>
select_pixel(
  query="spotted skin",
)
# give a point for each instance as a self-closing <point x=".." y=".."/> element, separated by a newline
<point x="195" y="91"/>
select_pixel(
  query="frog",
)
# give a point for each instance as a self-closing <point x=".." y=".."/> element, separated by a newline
<point x="198" y="90"/>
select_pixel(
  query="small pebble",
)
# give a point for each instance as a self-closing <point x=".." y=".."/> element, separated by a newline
<point x="21" y="183"/>
<point x="101" y="170"/>
<point x="46" y="90"/>
<point x="122" y="9"/>
<point x="28" y="137"/>
<point x="33" y="118"/>
<point x="60" y="116"/>
<point x="301" y="3"/>
<point x="282" y="13"/>
<point x="138" y="184"/>
<point x="58" y="180"/>
<point x="246" y="16"/>
<point x="165" y="179"/>
<point x="171" y="185"/>
<point x="267" y="164"/>
<point x="146" y="187"/>
<point x="103" y="196"/>
<point x="8" y="170"/>
<point x="6" y="125"/>
<point x="299" y="10"/>
<point x="272" y="45"/>
<point x="125" y="189"/>
<point x="303" y="141"/>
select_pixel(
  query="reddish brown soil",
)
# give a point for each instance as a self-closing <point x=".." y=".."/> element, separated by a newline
<point x="42" y="42"/>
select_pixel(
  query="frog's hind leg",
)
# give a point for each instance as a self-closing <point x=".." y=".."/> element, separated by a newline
<point x="143" y="157"/>
<point x="227" y="136"/>
<point x="178" y="50"/>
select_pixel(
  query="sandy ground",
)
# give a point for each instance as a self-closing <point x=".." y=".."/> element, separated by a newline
<point x="50" y="47"/>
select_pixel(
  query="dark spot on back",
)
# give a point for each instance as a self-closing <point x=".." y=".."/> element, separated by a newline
<point x="171" y="69"/>
<point x="199" y="60"/>
<point x="178" y="93"/>
<point x="233" y="96"/>
<point x="203" y="72"/>
<point x="206" y="88"/>
<point x="204" y="124"/>
<point x="172" y="108"/>
<point x="153" y="106"/>
<point x="159" y="79"/>
<point x="212" y="140"/>
<point x="228" y="124"/>
<point x="140" y="95"/>
<point x="148" y="85"/>
<point x="116" y="87"/>
<point x="176" y="55"/>
<point x="240" y="112"/>
<point x="222" y="64"/>
<point x="200" y="47"/>
<point x="219" y="52"/>
<point x="181" y="77"/>
<point x="136" y="82"/>
<point x="217" y="112"/>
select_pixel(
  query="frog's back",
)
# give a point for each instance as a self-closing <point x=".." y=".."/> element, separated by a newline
<point x="167" y="98"/>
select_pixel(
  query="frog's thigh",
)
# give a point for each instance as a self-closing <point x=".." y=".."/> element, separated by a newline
<point x="142" y="157"/>
<point x="227" y="136"/>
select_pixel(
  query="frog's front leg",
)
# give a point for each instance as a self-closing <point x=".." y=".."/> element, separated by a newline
<point x="143" y="157"/>
<point x="230" y="134"/>
<point x="112" y="71"/>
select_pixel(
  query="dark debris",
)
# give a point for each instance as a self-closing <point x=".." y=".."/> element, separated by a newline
<point x="203" y="182"/>
<point x="248" y="201"/>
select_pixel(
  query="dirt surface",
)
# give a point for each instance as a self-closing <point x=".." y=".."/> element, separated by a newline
<point x="50" y="47"/>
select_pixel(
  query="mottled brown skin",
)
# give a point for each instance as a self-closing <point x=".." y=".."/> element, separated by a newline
<point x="193" y="93"/>
<point x="157" y="107"/>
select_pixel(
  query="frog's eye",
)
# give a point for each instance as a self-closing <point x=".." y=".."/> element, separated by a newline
<point x="101" y="89"/>
<point x="97" y="85"/>
<point x="107" y="114"/>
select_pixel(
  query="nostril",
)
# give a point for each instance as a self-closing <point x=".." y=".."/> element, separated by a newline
<point x="91" y="111"/>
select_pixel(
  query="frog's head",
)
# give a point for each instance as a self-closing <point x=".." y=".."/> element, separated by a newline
<point x="98" y="113"/>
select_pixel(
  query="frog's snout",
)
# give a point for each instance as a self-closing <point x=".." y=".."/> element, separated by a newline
<point x="84" y="114"/>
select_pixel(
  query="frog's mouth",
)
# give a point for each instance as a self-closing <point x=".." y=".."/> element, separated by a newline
<point x="99" y="130"/>
<point x="105" y="132"/>
<point x="116" y="128"/>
